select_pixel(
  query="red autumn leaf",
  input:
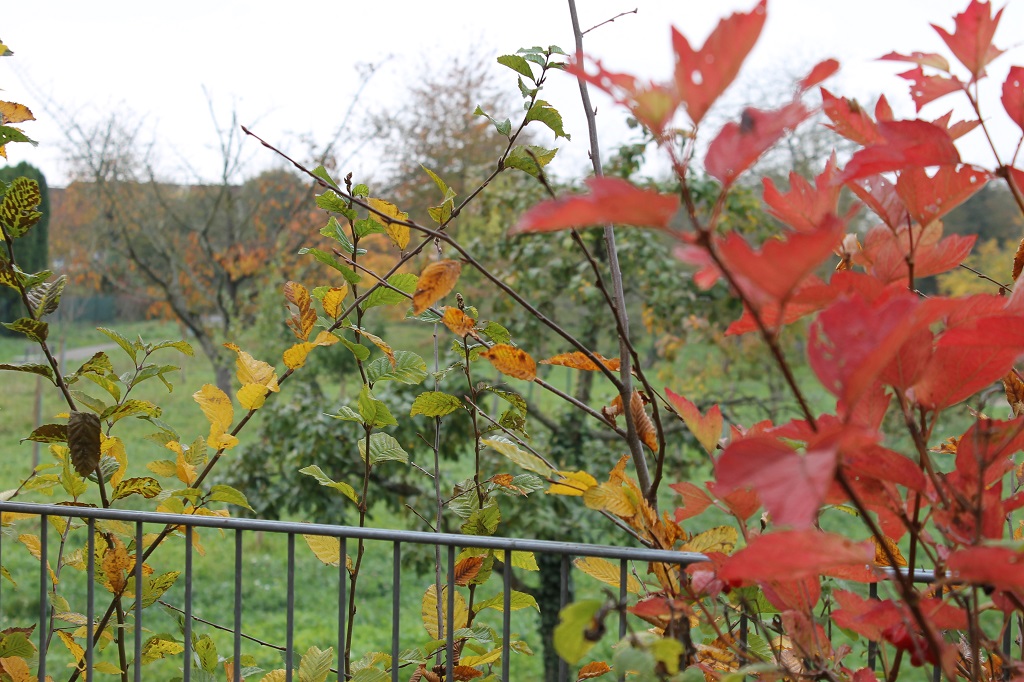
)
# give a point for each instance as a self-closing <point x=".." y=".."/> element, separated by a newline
<point x="928" y="197"/>
<point x="739" y="145"/>
<point x="910" y="361"/>
<point x="907" y="144"/>
<point x="971" y="40"/>
<point x="1013" y="95"/>
<point x="883" y="111"/>
<point x="798" y="595"/>
<point x="852" y="341"/>
<point x="804" y="207"/>
<point x="707" y="273"/>
<point x="611" y="200"/>
<point x="867" y="617"/>
<point x="652" y="104"/>
<point x="885" y="251"/>
<point x="849" y="119"/>
<point x="695" y="500"/>
<point x="793" y="555"/>
<point x="958" y="129"/>
<point x="772" y="273"/>
<point x="985" y="451"/>
<point x="932" y="59"/>
<point x="743" y="502"/>
<point x="790" y="484"/>
<point x="885" y="465"/>
<point x="998" y="567"/>
<point x="880" y="196"/>
<point x="969" y="358"/>
<point x="820" y="72"/>
<point x="702" y="75"/>
<point x="925" y="88"/>
<point x="1016" y="176"/>
<point x="707" y="429"/>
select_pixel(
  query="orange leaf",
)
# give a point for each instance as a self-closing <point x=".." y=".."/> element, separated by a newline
<point x="642" y="422"/>
<point x="1014" y="388"/>
<point x="881" y="559"/>
<point x="578" y="360"/>
<point x="707" y="429"/>
<point x="611" y="200"/>
<point x="301" y="324"/>
<point x="436" y="280"/>
<point x="610" y="412"/>
<point x="465" y="672"/>
<point x="458" y="322"/>
<point x="1018" y="260"/>
<point x="515" y="362"/>
<point x="592" y="670"/>
<point x="467" y="569"/>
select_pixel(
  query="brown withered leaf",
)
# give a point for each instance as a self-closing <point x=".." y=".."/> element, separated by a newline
<point x="458" y="322"/>
<point x="592" y="670"/>
<point x="1018" y="260"/>
<point x="881" y="559"/>
<point x="612" y="411"/>
<point x="577" y="360"/>
<point x="467" y="569"/>
<point x="465" y="672"/>
<point x="512" y="361"/>
<point x="435" y="282"/>
<point x="948" y="446"/>
<point x="644" y="426"/>
<point x="1014" y="388"/>
<point x="116" y="563"/>
<point x="84" y="441"/>
<point x="302" y="323"/>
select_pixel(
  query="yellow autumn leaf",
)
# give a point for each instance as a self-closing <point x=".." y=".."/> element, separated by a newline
<point x="577" y="360"/>
<point x="249" y="370"/>
<point x="216" y="405"/>
<point x="295" y="357"/>
<point x="428" y="611"/>
<point x="483" y="659"/>
<point x="399" y="233"/>
<point x="719" y="539"/>
<point x="458" y="322"/>
<point x="610" y="497"/>
<point x="435" y="282"/>
<point x="13" y="112"/>
<point x="511" y="361"/>
<point x="328" y="550"/>
<point x="606" y="572"/>
<point x="32" y="544"/>
<point x="573" y="483"/>
<point x="112" y="446"/>
<point x="333" y="300"/>
<point x="301" y="324"/>
<point x="252" y="396"/>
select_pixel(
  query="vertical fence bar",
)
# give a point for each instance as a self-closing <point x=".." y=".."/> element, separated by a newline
<point x="90" y="598"/>
<point x="623" y="578"/>
<point x="342" y="608"/>
<point x="187" y="671"/>
<point x="506" y="619"/>
<point x="563" y="601"/>
<point x="237" y="644"/>
<point x="872" y="646"/>
<point x="289" y="645"/>
<point x="396" y="603"/>
<point x="1007" y="646"/>
<point x="44" y="615"/>
<point x="449" y="621"/>
<point x="137" y="663"/>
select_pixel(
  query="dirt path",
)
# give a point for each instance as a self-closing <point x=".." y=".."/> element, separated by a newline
<point x="81" y="353"/>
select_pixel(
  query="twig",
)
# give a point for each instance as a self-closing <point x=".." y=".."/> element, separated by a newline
<point x="608" y="21"/>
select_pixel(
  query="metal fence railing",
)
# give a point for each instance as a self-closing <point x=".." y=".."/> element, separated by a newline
<point x="143" y="520"/>
<point x="139" y="522"/>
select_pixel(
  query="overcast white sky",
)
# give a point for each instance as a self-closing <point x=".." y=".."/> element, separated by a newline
<point x="289" y="66"/>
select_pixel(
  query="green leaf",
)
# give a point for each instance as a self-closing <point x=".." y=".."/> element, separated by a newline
<point x="441" y="214"/>
<point x="361" y="352"/>
<point x="35" y="330"/>
<point x="207" y="652"/>
<point x="434" y="404"/>
<point x="374" y="412"/>
<point x="521" y="159"/>
<point x="575" y="620"/>
<point x="496" y="333"/>
<point x="45" y="297"/>
<point x="97" y="364"/>
<point x="351" y="276"/>
<point x="548" y="115"/>
<point x="325" y="480"/>
<point x="361" y="191"/>
<point x="333" y="231"/>
<point x="403" y="281"/>
<point x="441" y="185"/>
<point x="503" y="127"/>
<point x="183" y="347"/>
<point x="106" y="384"/>
<point x="18" y="207"/>
<point x="49" y="433"/>
<point x="146" y="486"/>
<point x="483" y="521"/>
<point x="383" y="448"/>
<point x="526" y="92"/>
<point x="16" y="644"/>
<point x="524" y="560"/>
<point x="94" y="404"/>
<point x="517" y="601"/>
<point x="129" y="347"/>
<point x="409" y="369"/>
<point x="315" y="665"/>
<point x="330" y="201"/>
<point x="367" y="226"/>
<point x="347" y="414"/>
<point x="514" y="399"/>
<point x="225" y="493"/>
<point x="526" y="460"/>
<point x="322" y="173"/>
<point x="130" y="408"/>
<point x="370" y="675"/>
<point x="155" y="587"/>
<point x="9" y="134"/>
<point x="32" y="368"/>
<point x="517" y="64"/>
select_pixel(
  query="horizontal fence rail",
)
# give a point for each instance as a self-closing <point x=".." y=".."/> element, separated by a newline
<point x="139" y="521"/>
